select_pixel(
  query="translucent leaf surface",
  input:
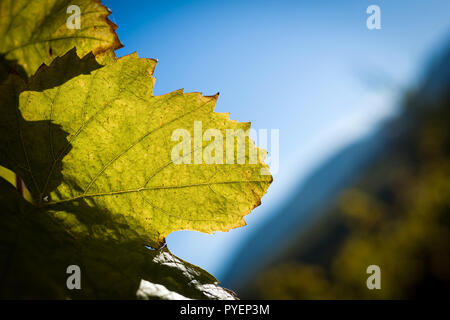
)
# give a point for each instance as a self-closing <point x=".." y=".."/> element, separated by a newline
<point x="112" y="138"/>
<point x="35" y="32"/>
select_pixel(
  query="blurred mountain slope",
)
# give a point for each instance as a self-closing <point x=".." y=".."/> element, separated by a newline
<point x="266" y="243"/>
<point x="384" y="200"/>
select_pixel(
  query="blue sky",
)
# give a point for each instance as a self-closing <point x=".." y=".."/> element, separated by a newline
<point x="311" y="69"/>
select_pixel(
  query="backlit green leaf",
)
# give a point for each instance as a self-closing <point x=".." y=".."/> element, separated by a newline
<point x="35" y="32"/>
<point x="109" y="167"/>
<point x="35" y="251"/>
<point x="112" y="138"/>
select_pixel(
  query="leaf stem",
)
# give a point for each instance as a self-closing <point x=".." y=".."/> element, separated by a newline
<point x="20" y="185"/>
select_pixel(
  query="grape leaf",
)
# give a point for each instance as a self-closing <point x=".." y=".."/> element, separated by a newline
<point x="95" y="148"/>
<point x="112" y="138"/>
<point x="35" y="32"/>
<point x="109" y="269"/>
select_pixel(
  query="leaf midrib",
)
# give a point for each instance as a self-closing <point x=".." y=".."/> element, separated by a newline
<point x="161" y="187"/>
